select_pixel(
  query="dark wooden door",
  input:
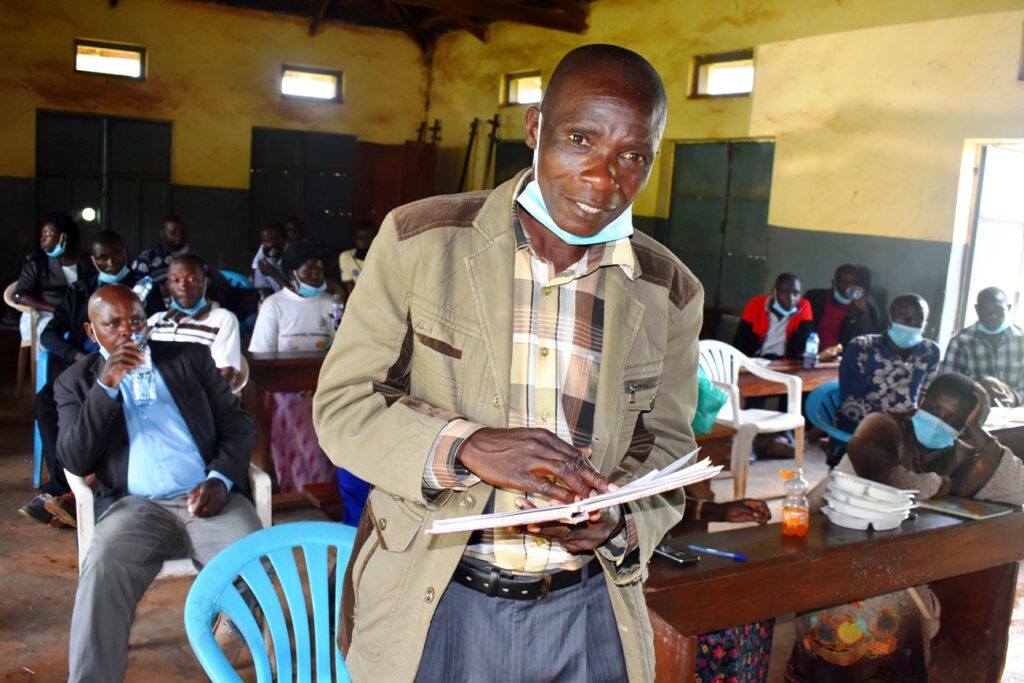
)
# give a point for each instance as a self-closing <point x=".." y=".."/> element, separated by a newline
<point x="119" y="167"/>
<point x="510" y="157"/>
<point x="388" y="176"/>
<point x="718" y="217"/>
<point x="303" y="174"/>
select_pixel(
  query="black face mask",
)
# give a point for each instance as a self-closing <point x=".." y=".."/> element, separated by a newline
<point x="273" y="252"/>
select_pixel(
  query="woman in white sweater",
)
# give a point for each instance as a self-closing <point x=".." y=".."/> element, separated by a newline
<point x="297" y="319"/>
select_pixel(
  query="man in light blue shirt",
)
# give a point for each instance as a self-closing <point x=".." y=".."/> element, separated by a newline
<point x="172" y="471"/>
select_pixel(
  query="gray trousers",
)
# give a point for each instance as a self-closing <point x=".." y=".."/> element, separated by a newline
<point x="568" y="637"/>
<point x="131" y="541"/>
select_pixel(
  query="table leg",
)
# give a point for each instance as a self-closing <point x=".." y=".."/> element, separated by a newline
<point x="675" y="655"/>
<point x="975" y="621"/>
<point x="258" y="402"/>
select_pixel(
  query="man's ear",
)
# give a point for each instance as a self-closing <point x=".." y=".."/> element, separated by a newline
<point x="87" y="326"/>
<point x="532" y="119"/>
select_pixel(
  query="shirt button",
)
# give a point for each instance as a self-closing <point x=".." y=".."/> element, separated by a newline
<point x="466" y="501"/>
<point x="544" y="351"/>
<point x="545" y="416"/>
<point x="428" y="595"/>
<point x="538" y="541"/>
<point x="382" y="524"/>
<point x="496" y="401"/>
<point x="547" y="291"/>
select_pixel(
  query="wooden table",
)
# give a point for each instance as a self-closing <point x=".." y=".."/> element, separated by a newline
<point x="268" y="373"/>
<point x="752" y="385"/>
<point x="971" y="566"/>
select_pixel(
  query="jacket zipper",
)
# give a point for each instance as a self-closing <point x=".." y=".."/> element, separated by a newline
<point x="635" y="384"/>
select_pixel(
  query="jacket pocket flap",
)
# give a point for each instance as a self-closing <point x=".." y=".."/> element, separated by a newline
<point x="397" y="524"/>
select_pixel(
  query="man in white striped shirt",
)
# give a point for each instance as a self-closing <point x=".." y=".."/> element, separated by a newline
<point x="192" y="318"/>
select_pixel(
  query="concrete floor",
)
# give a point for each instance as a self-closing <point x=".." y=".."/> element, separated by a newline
<point x="38" y="574"/>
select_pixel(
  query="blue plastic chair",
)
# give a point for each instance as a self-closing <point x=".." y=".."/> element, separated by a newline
<point x="236" y="280"/>
<point x="214" y="591"/>
<point x="821" y="408"/>
<point x="42" y="365"/>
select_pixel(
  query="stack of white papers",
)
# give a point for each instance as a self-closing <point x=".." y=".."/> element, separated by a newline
<point x="676" y="475"/>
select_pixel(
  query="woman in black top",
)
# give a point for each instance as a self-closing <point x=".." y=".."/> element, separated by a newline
<point x="58" y="264"/>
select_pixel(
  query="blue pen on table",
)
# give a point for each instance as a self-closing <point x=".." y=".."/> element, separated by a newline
<point x="720" y="553"/>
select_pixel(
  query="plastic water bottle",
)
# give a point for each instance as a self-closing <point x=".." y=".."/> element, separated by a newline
<point x="811" y="351"/>
<point x="141" y="380"/>
<point x="337" y="309"/>
<point x="143" y="287"/>
<point x="795" y="510"/>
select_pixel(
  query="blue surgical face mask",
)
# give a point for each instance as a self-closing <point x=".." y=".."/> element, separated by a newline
<point x="905" y="336"/>
<point x="189" y="311"/>
<point x="309" y="291"/>
<point x="59" y="249"/>
<point x="999" y="330"/>
<point x="108" y="279"/>
<point x="844" y="300"/>
<point x="532" y="200"/>
<point x="931" y="432"/>
<point x="780" y="310"/>
<point x="103" y="352"/>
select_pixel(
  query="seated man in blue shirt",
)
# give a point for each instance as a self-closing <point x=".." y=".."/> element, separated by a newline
<point x="172" y="471"/>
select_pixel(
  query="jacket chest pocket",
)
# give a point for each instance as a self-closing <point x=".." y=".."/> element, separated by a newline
<point x="640" y="386"/>
<point x="437" y="374"/>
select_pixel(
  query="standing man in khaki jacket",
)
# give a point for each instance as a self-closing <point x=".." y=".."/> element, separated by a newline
<point x="507" y="348"/>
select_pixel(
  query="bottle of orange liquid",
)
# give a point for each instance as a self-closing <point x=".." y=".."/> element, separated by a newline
<point x="795" y="510"/>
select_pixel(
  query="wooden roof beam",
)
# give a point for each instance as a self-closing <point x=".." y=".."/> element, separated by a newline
<point x="477" y="30"/>
<point x="570" y="17"/>
<point x="319" y="12"/>
<point x="409" y="24"/>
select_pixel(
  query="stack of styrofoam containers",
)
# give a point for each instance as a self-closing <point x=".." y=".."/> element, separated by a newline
<point x="858" y="503"/>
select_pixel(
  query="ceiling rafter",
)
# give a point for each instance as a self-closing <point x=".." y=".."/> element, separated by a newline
<point x="319" y="12"/>
<point x="569" y="16"/>
<point x="409" y="24"/>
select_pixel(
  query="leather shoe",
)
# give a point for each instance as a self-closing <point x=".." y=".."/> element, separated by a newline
<point x="36" y="509"/>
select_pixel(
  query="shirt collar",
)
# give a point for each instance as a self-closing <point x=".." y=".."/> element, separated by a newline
<point x="618" y="253"/>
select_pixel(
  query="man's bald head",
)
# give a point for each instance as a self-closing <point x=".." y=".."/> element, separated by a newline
<point x="112" y="296"/>
<point x="609" y="63"/>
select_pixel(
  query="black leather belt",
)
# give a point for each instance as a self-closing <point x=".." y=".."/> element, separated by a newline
<point x="496" y="583"/>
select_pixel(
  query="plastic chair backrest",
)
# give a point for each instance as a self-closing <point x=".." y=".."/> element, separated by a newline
<point x="821" y="408"/>
<point x="241" y="378"/>
<point x="214" y="591"/>
<point x="236" y="279"/>
<point x="720" y="362"/>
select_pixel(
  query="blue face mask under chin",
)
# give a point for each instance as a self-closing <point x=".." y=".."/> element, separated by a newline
<point x="108" y="279"/>
<point x="532" y="200"/>
<point x="189" y="311"/>
<point x="844" y="300"/>
<point x="309" y="291"/>
<point x="904" y="336"/>
<point x="999" y="330"/>
<point x="59" y="249"/>
<point x="931" y="432"/>
<point x="780" y="310"/>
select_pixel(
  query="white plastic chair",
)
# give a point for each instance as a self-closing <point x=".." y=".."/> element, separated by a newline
<point x="722" y="364"/>
<point x="259" y="481"/>
<point x="27" y="351"/>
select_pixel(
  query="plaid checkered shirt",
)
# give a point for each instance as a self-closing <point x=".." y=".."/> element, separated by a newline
<point x="557" y="334"/>
<point x="969" y="353"/>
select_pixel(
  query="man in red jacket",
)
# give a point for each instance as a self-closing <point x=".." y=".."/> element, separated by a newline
<point x="776" y="325"/>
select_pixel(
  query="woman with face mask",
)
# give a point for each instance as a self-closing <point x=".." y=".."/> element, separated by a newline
<point x="297" y="318"/>
<point x="940" y="449"/>
<point x="47" y="273"/>
<point x="885" y="372"/>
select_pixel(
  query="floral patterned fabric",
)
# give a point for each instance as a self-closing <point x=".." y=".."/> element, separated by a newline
<point x="739" y="654"/>
<point x="298" y="458"/>
<point x="875" y="379"/>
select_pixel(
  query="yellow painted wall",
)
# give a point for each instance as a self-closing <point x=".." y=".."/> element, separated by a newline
<point x="870" y="139"/>
<point x="670" y="33"/>
<point x="213" y="71"/>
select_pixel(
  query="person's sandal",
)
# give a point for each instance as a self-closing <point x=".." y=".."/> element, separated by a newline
<point x="62" y="508"/>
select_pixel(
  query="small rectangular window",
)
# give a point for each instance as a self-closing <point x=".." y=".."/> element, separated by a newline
<point x="523" y="88"/>
<point x="110" y="59"/>
<point x="317" y="84"/>
<point x="724" y="75"/>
